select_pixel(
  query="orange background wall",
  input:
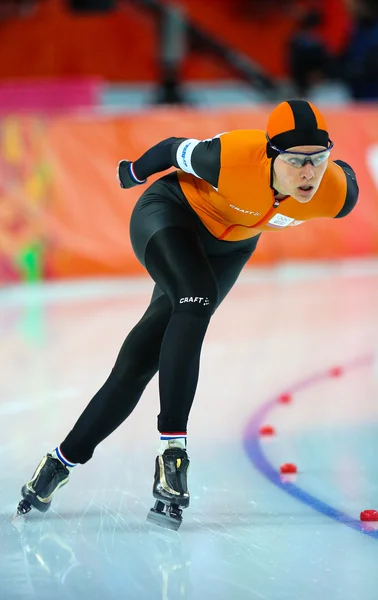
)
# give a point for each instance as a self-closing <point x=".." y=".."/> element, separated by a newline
<point x="121" y="45"/>
<point x="63" y="214"/>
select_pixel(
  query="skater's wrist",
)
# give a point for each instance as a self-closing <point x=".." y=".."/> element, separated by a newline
<point x="134" y="174"/>
<point x="127" y="176"/>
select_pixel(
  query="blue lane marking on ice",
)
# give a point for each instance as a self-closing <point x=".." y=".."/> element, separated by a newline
<point x="254" y="451"/>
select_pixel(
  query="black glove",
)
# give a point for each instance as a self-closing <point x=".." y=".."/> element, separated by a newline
<point x="126" y="176"/>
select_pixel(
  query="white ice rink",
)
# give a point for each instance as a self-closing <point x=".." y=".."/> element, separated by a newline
<point x="247" y="534"/>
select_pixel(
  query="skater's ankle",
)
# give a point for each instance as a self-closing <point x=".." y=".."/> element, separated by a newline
<point x="172" y="440"/>
<point x="57" y="453"/>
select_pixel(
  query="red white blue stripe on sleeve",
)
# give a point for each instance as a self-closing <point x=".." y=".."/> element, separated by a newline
<point x="133" y="176"/>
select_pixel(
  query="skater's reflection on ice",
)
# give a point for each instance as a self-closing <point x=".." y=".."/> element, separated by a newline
<point x="173" y="562"/>
<point x="60" y="561"/>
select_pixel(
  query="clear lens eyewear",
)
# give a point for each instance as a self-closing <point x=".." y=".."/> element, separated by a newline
<point x="298" y="160"/>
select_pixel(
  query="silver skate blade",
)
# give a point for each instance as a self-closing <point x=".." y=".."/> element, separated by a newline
<point x="25" y="523"/>
<point x="18" y="521"/>
<point x="164" y="520"/>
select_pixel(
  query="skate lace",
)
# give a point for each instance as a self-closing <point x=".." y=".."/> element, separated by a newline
<point x="45" y="480"/>
<point x="56" y="467"/>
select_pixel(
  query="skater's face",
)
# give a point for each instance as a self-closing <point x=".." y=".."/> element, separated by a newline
<point x="298" y="174"/>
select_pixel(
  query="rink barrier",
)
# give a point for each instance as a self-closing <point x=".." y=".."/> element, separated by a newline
<point x="63" y="214"/>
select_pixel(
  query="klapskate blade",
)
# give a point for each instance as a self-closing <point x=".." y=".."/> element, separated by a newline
<point x="23" y="522"/>
<point x="163" y="520"/>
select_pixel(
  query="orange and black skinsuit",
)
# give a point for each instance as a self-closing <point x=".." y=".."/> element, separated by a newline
<point x="194" y="230"/>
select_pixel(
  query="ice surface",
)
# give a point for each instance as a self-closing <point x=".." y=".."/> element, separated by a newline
<point x="246" y="535"/>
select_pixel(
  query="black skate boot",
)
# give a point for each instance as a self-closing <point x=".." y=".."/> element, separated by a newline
<point x="49" y="476"/>
<point x="170" y="488"/>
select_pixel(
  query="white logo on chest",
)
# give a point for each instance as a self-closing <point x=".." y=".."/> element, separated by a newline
<point x="246" y="212"/>
<point x="280" y="221"/>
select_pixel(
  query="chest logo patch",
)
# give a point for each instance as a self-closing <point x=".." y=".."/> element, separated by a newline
<point x="280" y="221"/>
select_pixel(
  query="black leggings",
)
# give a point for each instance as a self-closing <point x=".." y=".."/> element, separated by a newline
<point x="193" y="272"/>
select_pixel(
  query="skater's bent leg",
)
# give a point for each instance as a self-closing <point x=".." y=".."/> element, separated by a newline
<point x="137" y="363"/>
<point x="177" y="262"/>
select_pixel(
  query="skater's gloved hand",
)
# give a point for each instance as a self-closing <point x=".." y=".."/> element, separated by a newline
<point x="126" y="175"/>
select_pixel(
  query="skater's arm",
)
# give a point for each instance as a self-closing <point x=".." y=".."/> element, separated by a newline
<point x="156" y="159"/>
<point x="201" y="158"/>
<point x="352" y="189"/>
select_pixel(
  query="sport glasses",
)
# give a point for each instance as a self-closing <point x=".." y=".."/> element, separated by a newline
<point x="298" y="160"/>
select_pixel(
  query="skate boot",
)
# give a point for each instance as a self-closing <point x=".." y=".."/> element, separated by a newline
<point x="170" y="488"/>
<point x="49" y="476"/>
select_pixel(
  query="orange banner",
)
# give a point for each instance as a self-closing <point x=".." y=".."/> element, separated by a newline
<point x="63" y="214"/>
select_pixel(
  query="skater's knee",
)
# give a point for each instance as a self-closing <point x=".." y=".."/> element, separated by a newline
<point x="200" y="299"/>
